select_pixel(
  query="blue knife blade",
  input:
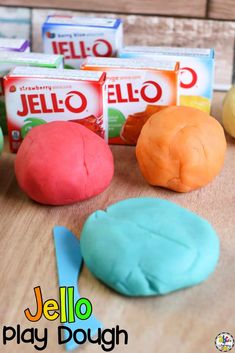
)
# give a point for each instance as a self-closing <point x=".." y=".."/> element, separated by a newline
<point x="69" y="264"/>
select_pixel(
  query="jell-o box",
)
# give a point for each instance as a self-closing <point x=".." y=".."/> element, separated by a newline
<point x="9" y="60"/>
<point x="14" y="44"/>
<point x="196" y="71"/>
<point x="78" y="37"/>
<point x="135" y="90"/>
<point x="37" y="96"/>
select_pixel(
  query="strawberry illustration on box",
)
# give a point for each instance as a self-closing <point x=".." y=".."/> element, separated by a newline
<point x="36" y="96"/>
<point x="93" y="123"/>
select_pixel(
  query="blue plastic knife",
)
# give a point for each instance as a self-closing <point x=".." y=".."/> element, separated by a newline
<point x="69" y="263"/>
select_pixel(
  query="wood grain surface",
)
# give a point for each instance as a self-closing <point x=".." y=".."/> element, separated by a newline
<point x="184" y="322"/>
<point x="160" y="7"/>
<point x="161" y="31"/>
<point x="223" y="9"/>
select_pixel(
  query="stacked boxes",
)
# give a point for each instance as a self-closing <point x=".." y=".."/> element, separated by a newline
<point x="10" y="45"/>
<point x="38" y="95"/>
<point x="9" y="60"/>
<point x="79" y="37"/>
<point x="139" y="82"/>
<point x="14" y="44"/>
<point x="134" y="88"/>
<point x="197" y="71"/>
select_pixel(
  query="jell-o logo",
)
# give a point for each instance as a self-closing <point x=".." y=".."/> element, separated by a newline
<point x="124" y="94"/>
<point x="188" y="77"/>
<point x="12" y="58"/>
<point x="132" y="86"/>
<point x="196" y="71"/>
<point x="35" y="96"/>
<point x="44" y="104"/>
<point x="79" y="50"/>
<point x="78" y="37"/>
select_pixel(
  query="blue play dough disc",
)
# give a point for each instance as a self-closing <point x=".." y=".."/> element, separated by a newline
<point x="149" y="246"/>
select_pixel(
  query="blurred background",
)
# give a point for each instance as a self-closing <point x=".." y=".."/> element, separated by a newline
<point x="198" y="23"/>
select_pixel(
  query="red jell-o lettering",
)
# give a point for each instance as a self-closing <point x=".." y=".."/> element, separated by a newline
<point x="44" y="95"/>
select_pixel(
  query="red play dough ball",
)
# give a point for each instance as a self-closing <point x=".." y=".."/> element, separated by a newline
<point x="61" y="163"/>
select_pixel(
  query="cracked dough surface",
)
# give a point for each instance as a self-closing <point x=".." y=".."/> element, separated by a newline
<point x="181" y="148"/>
<point x="60" y="163"/>
<point x="148" y="246"/>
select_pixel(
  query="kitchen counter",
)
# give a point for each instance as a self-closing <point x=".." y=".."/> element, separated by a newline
<point x="184" y="322"/>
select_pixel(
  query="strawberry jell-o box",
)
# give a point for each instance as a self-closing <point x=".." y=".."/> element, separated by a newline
<point x="8" y="60"/>
<point x="78" y="37"/>
<point x="14" y="44"/>
<point x="37" y="96"/>
<point x="196" y="71"/>
<point x="135" y="90"/>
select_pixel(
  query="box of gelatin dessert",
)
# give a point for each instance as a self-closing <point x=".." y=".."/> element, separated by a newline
<point x="8" y="60"/>
<point x="78" y="37"/>
<point x="39" y="95"/>
<point x="196" y="71"/>
<point x="135" y="90"/>
<point x="14" y="44"/>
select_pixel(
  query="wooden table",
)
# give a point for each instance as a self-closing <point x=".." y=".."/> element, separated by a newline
<point x="184" y="322"/>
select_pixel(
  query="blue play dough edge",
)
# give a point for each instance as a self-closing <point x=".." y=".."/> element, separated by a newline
<point x="149" y="246"/>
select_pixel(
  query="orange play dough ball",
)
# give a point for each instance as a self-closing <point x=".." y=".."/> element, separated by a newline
<point x="181" y="148"/>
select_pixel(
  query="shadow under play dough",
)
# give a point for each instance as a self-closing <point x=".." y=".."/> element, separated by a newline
<point x="149" y="246"/>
